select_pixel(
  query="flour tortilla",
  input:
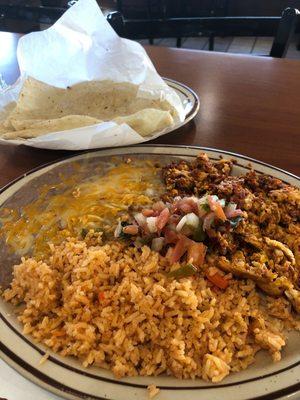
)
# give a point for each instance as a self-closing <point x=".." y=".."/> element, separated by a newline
<point x="147" y="121"/>
<point x="42" y="108"/>
<point x="33" y="128"/>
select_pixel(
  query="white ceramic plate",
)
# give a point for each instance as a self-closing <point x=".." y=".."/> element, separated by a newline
<point x="79" y="141"/>
<point x="190" y="101"/>
<point x="263" y="380"/>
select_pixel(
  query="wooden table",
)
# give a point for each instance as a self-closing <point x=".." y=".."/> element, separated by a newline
<point x="249" y="105"/>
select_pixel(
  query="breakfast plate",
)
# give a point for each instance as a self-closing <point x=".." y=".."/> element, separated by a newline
<point x="65" y="376"/>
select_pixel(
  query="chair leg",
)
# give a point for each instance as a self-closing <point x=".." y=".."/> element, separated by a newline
<point x="151" y="41"/>
<point x="178" y="42"/>
<point x="211" y="42"/>
<point x="285" y="30"/>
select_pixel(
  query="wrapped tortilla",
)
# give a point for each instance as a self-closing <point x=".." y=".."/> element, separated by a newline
<point x="80" y="78"/>
<point x="42" y="109"/>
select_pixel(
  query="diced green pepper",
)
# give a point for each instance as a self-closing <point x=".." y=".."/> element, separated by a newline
<point x="235" y="221"/>
<point x="84" y="232"/>
<point x="199" y="234"/>
<point x="183" y="272"/>
<point x="122" y="234"/>
<point x="205" y="207"/>
<point x="143" y="241"/>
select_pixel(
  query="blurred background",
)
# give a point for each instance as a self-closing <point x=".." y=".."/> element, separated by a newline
<point x="235" y="26"/>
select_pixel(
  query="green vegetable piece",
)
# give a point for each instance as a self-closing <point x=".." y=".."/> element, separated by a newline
<point x="146" y="240"/>
<point x="143" y="241"/>
<point x="235" y="221"/>
<point x="205" y="207"/>
<point x="84" y="232"/>
<point x="183" y="272"/>
<point x="199" y="234"/>
<point x="124" y="235"/>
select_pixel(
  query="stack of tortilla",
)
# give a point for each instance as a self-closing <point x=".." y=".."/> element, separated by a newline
<point x="42" y="109"/>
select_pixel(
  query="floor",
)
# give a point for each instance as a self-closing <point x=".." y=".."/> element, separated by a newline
<point x="241" y="45"/>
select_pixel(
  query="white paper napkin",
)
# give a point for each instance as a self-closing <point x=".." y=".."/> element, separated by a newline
<point x="82" y="46"/>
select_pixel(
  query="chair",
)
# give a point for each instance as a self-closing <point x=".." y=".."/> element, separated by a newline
<point x="48" y="13"/>
<point x="285" y="31"/>
<point x="281" y="27"/>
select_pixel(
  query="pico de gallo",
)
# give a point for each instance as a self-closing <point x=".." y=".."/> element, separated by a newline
<point x="180" y="230"/>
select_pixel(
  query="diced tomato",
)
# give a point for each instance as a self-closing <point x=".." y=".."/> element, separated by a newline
<point x="170" y="236"/>
<point x="236" y="213"/>
<point x="163" y="218"/>
<point x="196" y="253"/>
<point x="186" y="206"/>
<point x="180" y="248"/>
<point x="216" y="207"/>
<point x="148" y="213"/>
<point x="101" y="296"/>
<point x="131" y="229"/>
<point x="218" y="280"/>
<point x="211" y="203"/>
<point x="220" y="213"/>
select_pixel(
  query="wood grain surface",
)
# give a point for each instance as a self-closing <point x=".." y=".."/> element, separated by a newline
<point x="249" y="105"/>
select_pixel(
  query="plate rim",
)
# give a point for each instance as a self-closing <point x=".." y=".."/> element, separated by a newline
<point x="194" y="147"/>
<point x="196" y="107"/>
<point x="135" y="385"/>
<point x="42" y="380"/>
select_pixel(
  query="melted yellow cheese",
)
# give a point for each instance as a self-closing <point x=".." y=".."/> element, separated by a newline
<point x="93" y="203"/>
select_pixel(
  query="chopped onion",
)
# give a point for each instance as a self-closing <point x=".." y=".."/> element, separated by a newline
<point x="189" y="224"/>
<point x="231" y="206"/>
<point x="222" y="202"/>
<point x="157" y="244"/>
<point x="181" y="223"/>
<point x="151" y="224"/>
<point x="192" y="220"/>
<point x="118" y="230"/>
<point x="140" y="219"/>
